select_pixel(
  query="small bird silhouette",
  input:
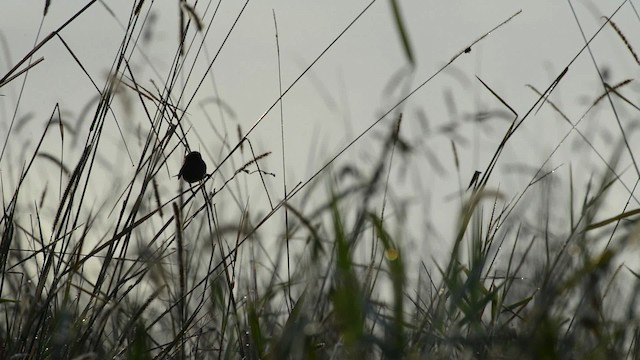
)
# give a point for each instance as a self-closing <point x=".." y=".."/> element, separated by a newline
<point x="194" y="169"/>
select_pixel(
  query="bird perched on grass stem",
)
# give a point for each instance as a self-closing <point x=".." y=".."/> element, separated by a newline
<point x="194" y="169"/>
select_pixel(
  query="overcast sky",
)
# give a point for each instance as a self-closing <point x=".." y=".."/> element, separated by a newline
<point x="347" y="89"/>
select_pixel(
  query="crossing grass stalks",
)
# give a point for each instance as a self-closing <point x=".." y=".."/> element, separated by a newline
<point x="146" y="273"/>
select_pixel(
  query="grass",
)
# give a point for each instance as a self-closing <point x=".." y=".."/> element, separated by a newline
<point x="149" y="273"/>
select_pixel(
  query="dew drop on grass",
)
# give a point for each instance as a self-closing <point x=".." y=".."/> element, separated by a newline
<point x="391" y="254"/>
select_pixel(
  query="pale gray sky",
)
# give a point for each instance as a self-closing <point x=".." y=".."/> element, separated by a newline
<point x="345" y="91"/>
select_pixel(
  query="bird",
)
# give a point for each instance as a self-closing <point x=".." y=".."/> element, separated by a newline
<point x="194" y="168"/>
